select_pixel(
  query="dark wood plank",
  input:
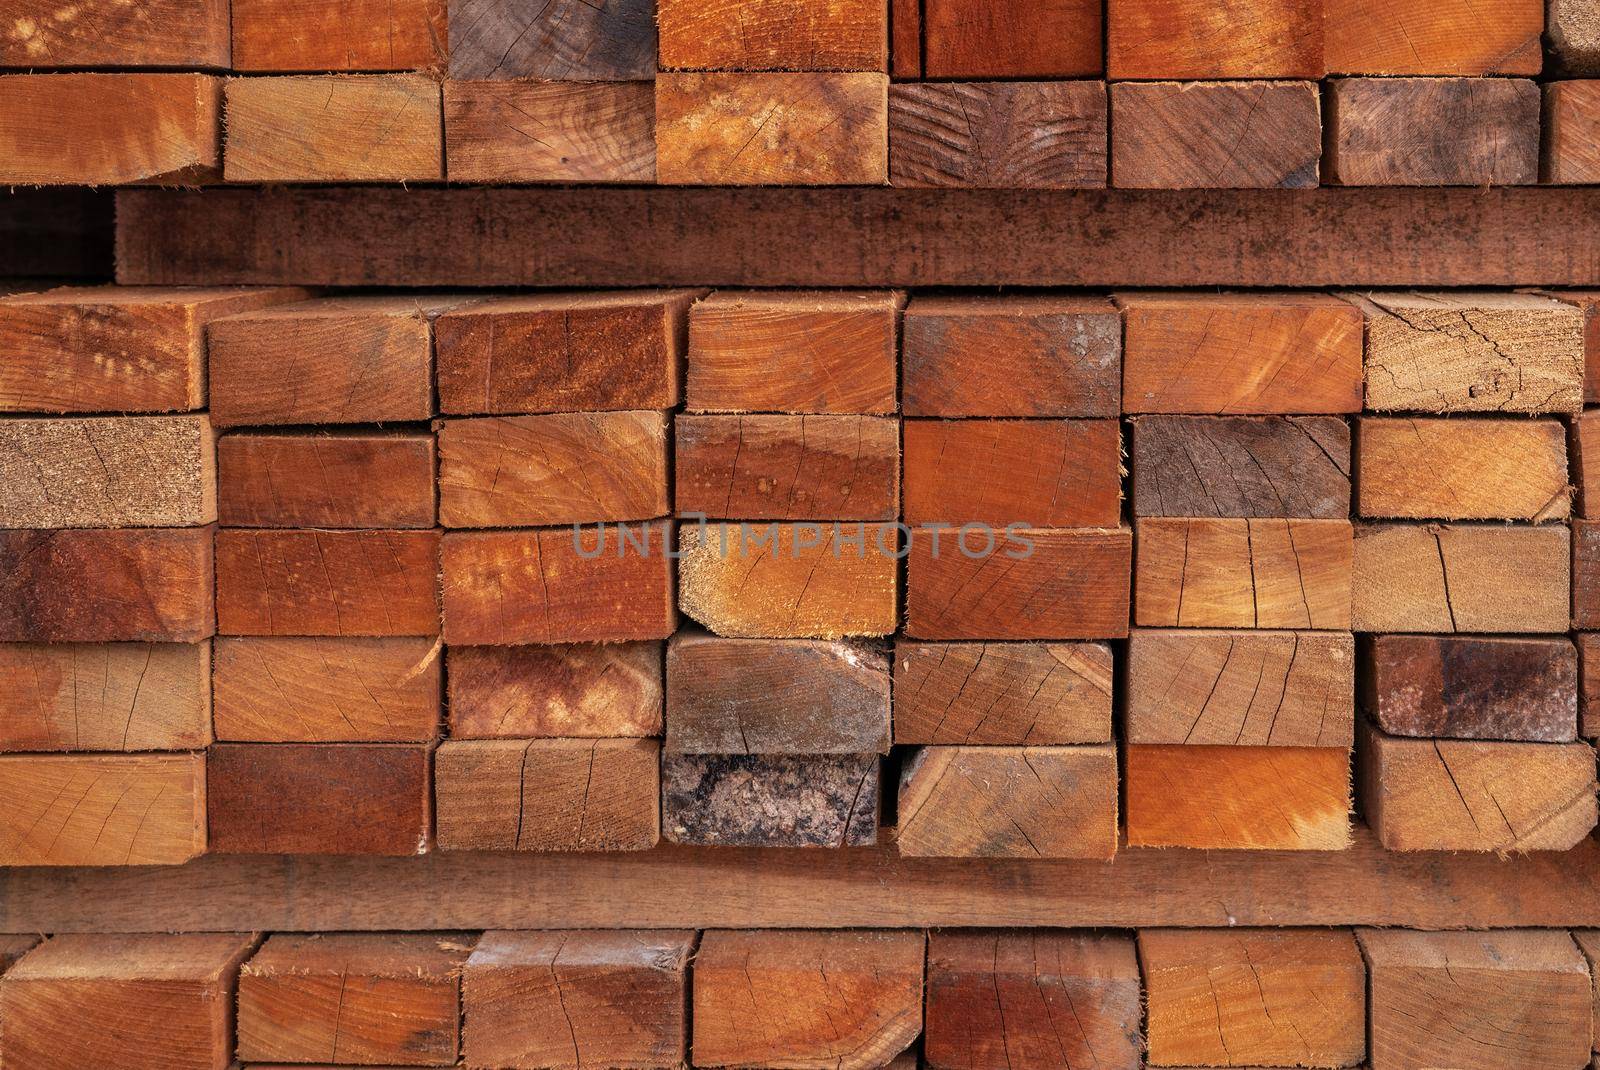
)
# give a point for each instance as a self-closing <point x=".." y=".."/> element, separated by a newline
<point x="1463" y="687"/>
<point x="770" y="800"/>
<point x="998" y="135"/>
<point x="606" y="40"/>
<point x="1240" y="466"/>
<point x="1455" y="132"/>
<point x="1215" y="135"/>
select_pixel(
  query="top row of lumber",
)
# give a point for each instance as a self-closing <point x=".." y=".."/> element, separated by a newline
<point x="632" y="39"/>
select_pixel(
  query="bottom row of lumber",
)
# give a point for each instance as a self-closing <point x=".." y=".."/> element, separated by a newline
<point x="975" y="999"/>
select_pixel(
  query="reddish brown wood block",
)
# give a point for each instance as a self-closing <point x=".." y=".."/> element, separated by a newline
<point x="1038" y="997"/>
<point x="326" y="690"/>
<point x="1002" y="693"/>
<point x="337" y="360"/>
<point x="742" y="347"/>
<point x="328" y="582"/>
<point x="322" y="799"/>
<point x="1031" y="584"/>
<point x="1037" y="473"/>
<point x="998" y="135"/>
<point x="105" y="696"/>
<point x="1583" y="444"/>
<point x="563" y="352"/>
<point x="110" y="33"/>
<point x="577" y="998"/>
<point x="1430" y="37"/>
<point x="842" y="999"/>
<point x="562" y="468"/>
<point x="774" y="35"/>
<point x="1012" y="38"/>
<point x="1191" y="39"/>
<point x="1228" y="354"/>
<point x="1456" y="132"/>
<point x="558" y="585"/>
<point x="580" y="690"/>
<point x="101" y="810"/>
<point x="354" y="35"/>
<point x="1012" y="356"/>
<point x="109" y="129"/>
<point x="1472" y="688"/>
<point x="158" y="1002"/>
<point x="350" y="480"/>
<point x="1238" y="798"/>
<point x="550" y="131"/>
<point x="87" y="585"/>
<point x="353" y="998"/>
<point x="1215" y="135"/>
<point x="1571" y="153"/>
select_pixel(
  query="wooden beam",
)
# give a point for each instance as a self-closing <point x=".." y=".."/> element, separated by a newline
<point x="334" y="128"/>
<point x="572" y="40"/>
<point x="1192" y="39"/>
<point x="1583" y="443"/>
<point x="1002" y="693"/>
<point x="850" y="1000"/>
<point x="105" y="696"/>
<point x="1240" y="466"/>
<point x="357" y="998"/>
<point x="1472" y="688"/>
<point x="361" y="35"/>
<point x="1426" y="37"/>
<point x="107" y="33"/>
<point x="1424" y="469"/>
<point x="1036" y="473"/>
<point x="1571" y="125"/>
<point x="102" y="809"/>
<point x="326" y="479"/>
<point x="1215" y="135"/>
<point x="579" y="690"/>
<point x="569" y="999"/>
<point x="520" y="131"/>
<point x="1574" y="36"/>
<point x="1012" y="38"/>
<point x="326" y="690"/>
<point x="774" y="35"/>
<point x="860" y="237"/>
<point x="1017" y="135"/>
<point x="770" y="800"/>
<point x="1462" y="132"/>
<point x="327" y="798"/>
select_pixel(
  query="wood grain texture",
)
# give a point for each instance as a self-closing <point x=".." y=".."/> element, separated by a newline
<point x="353" y="998"/>
<point x="498" y="131"/>
<point x="334" y="128"/>
<point x="569" y="999"/>
<point x="558" y="585"/>
<point x="1472" y="688"/>
<point x="360" y="35"/>
<point x="105" y="696"/>
<point x="109" y="129"/>
<point x="1045" y="998"/>
<point x="160" y="1002"/>
<point x="1002" y="693"/>
<point x="1472" y="352"/>
<point x="101" y="810"/>
<point x="775" y="696"/>
<point x="1588" y="685"/>
<point x="563" y="352"/>
<point x="1237" y="798"/>
<point x="1010" y="802"/>
<point x="87" y="585"/>
<point x="862" y="237"/>
<point x="326" y="690"/>
<point x="346" y="583"/>
<point x="1012" y="356"/>
<point x="774" y="35"/>
<point x="1586" y="574"/>
<point x="1583" y="443"/>
<point x="786" y="467"/>
<point x="1012" y="38"/>
<point x="1194" y="39"/>
<point x="1241" y="688"/>
<point x="1230" y="354"/>
<point x="1571" y="126"/>
<point x="770" y="800"/>
<point x="1240" y="466"/>
<point x="561" y="468"/>
<point x="577" y="690"/>
<point x="1226" y="573"/>
<point x="742" y="344"/>
<point x="784" y="129"/>
<point x="586" y="794"/>
<point x="337" y="360"/>
<point x="998" y="135"/>
<point x="804" y="580"/>
<point x="1573" y="32"/>
<point x="1037" y="473"/>
<point x="319" y="799"/>
<point x="1426" y="37"/>
<point x="295" y="479"/>
<point x="114" y="349"/>
<point x="905" y="38"/>
<point x="1215" y="135"/>
<point x="1422" y="469"/>
<point x="1471" y="795"/>
<point x="1254" y="996"/>
<point x="574" y="40"/>
<point x="1432" y="132"/>
<point x="1040" y="584"/>
<point x="101" y="472"/>
<point x="1461" y="578"/>
<point x="806" y="1000"/>
<point x="108" y="33"/>
<point x="1518" y="998"/>
<point x="1588" y="942"/>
